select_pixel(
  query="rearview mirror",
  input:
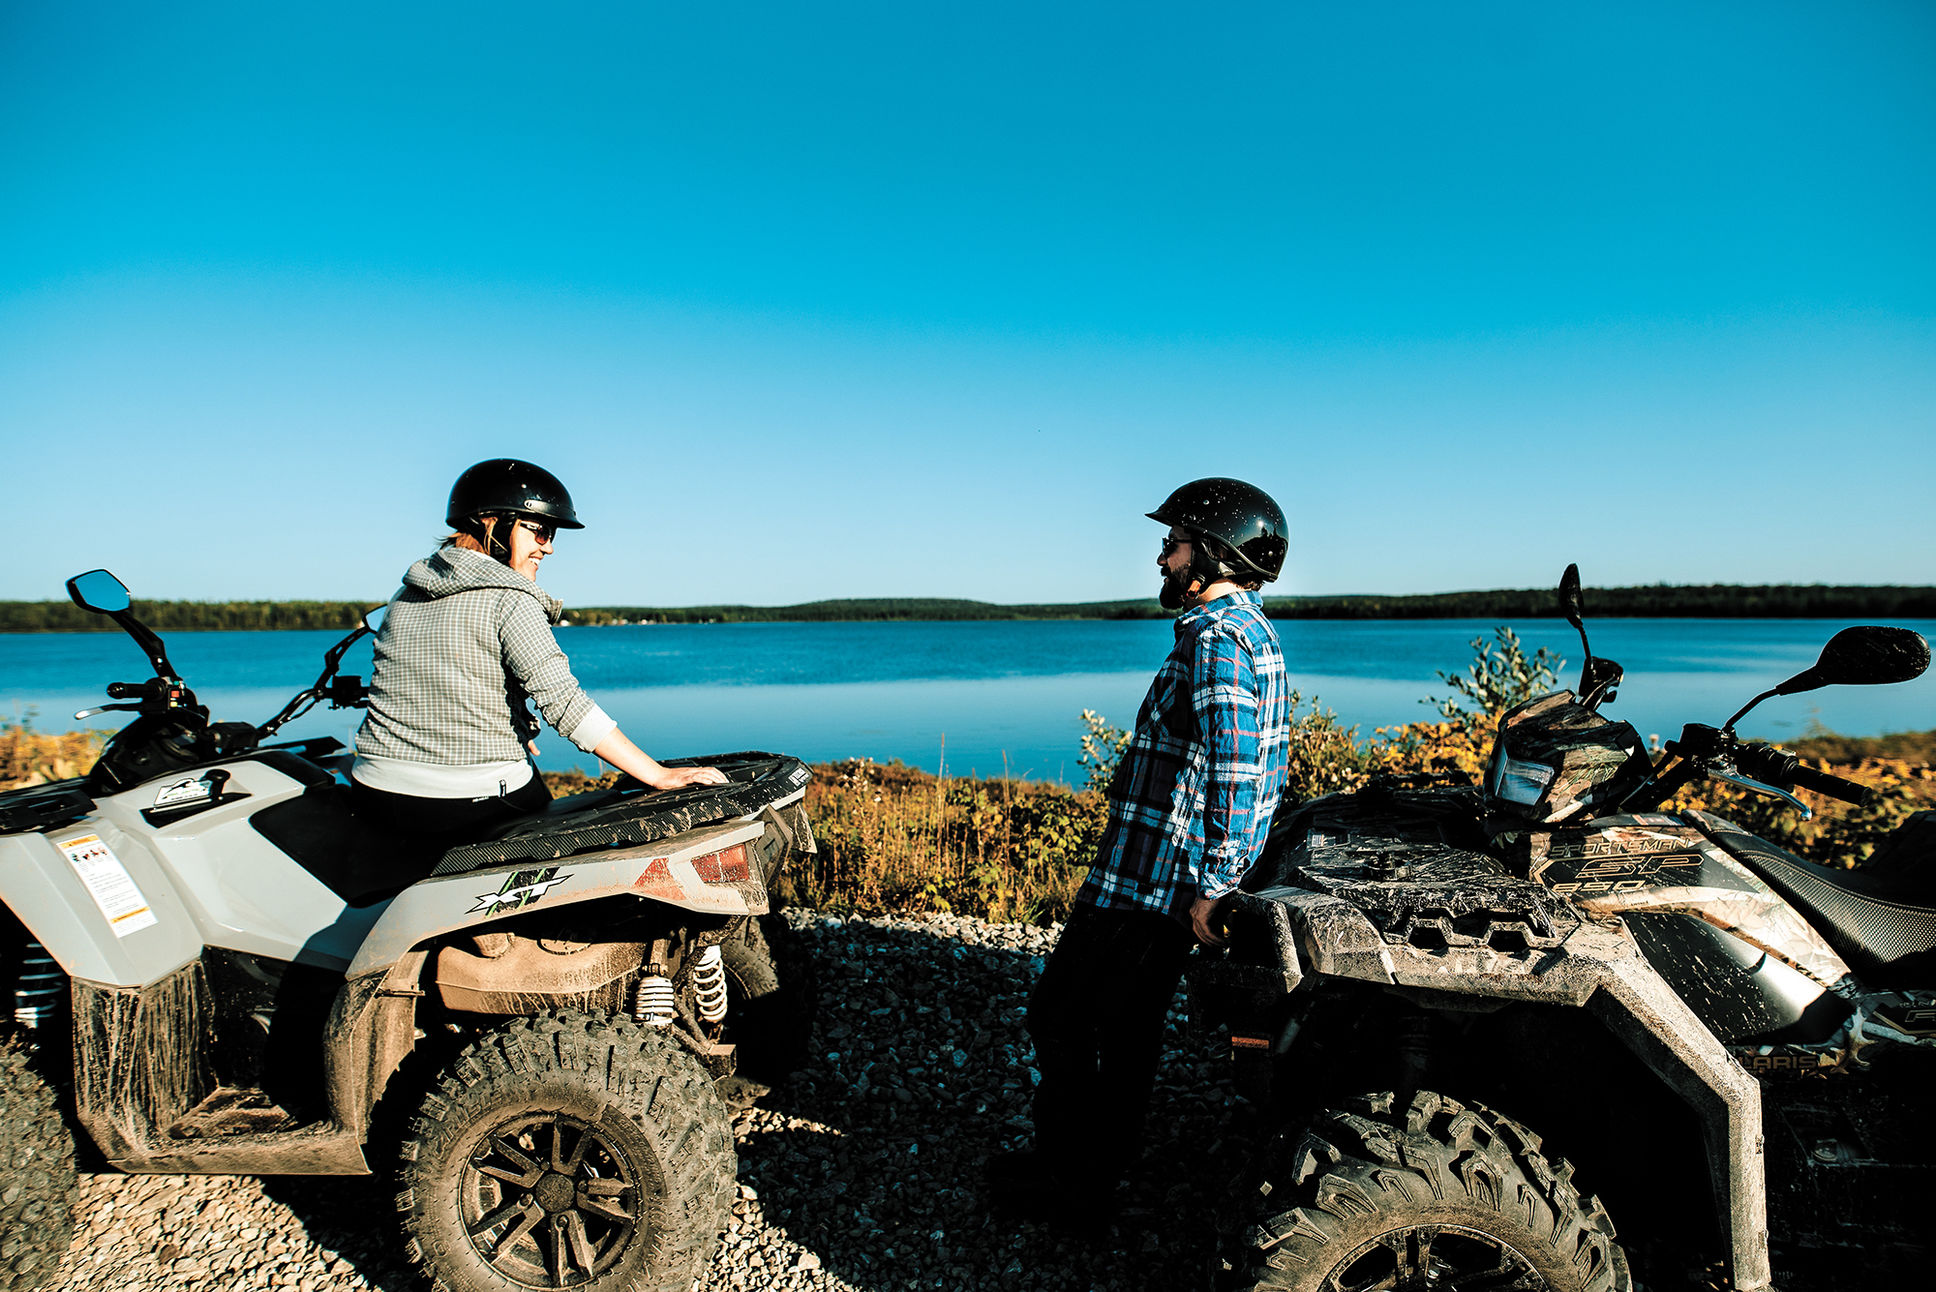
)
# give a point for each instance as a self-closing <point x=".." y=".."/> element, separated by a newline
<point x="373" y="617"/>
<point x="1869" y="655"/>
<point x="1572" y="604"/>
<point x="99" y="591"/>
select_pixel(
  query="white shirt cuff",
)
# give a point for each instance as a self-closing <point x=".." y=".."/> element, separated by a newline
<point x="592" y="729"/>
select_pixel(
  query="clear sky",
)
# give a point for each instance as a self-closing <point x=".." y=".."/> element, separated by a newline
<point x="831" y="299"/>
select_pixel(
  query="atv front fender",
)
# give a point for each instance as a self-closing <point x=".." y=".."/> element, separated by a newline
<point x="1597" y="966"/>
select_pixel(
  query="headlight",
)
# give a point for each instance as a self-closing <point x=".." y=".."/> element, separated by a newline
<point x="1518" y="782"/>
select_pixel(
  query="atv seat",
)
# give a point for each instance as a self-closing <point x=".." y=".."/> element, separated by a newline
<point x="1875" y="922"/>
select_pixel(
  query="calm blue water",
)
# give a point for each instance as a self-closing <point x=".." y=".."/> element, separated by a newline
<point x="989" y="694"/>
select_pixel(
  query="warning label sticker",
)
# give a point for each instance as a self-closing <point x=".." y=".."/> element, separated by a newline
<point x="110" y="884"/>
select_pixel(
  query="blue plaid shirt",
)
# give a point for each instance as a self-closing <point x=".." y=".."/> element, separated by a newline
<point x="1193" y="796"/>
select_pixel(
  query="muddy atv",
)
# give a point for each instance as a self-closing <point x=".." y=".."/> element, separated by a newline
<point x="1483" y="1023"/>
<point x="208" y="965"/>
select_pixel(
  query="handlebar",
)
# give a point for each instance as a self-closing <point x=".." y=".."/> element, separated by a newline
<point x="125" y="690"/>
<point x="1715" y="751"/>
<point x="1780" y="767"/>
<point x="1835" y="787"/>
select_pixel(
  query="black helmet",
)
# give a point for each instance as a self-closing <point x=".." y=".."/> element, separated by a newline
<point x="506" y="486"/>
<point x="1240" y="517"/>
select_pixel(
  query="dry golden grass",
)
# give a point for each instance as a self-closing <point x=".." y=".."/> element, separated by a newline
<point x="29" y="757"/>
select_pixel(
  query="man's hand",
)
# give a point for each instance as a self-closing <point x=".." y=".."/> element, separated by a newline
<point x="1206" y="919"/>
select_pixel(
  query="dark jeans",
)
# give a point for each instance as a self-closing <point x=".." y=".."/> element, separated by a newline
<point x="1097" y="1021"/>
<point x="444" y="823"/>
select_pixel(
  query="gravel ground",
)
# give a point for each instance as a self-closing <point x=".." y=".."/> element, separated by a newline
<point x="863" y="1173"/>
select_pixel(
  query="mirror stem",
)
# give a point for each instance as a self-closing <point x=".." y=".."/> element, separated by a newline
<point x="1729" y="724"/>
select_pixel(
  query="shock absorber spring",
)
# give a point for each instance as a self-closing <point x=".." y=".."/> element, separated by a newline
<point x="709" y="984"/>
<point x="654" y="1003"/>
<point x="37" y="988"/>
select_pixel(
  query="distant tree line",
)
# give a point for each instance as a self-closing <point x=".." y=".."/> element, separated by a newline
<point x="1716" y="601"/>
<point x="1713" y="601"/>
<point x="186" y="616"/>
<point x="1659" y="601"/>
<point x="863" y="610"/>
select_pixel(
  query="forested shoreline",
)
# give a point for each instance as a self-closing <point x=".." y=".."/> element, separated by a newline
<point x="1708" y="601"/>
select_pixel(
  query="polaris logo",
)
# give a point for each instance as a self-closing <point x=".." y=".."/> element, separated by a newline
<point x="520" y="889"/>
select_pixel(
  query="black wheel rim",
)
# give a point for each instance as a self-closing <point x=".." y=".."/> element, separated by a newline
<point x="1443" y="1258"/>
<point x="551" y="1202"/>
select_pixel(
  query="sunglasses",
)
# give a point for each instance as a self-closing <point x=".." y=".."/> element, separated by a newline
<point x="543" y="533"/>
<point x="1171" y="542"/>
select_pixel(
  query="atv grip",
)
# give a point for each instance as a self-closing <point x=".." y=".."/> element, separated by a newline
<point x="124" y="690"/>
<point x="1807" y="778"/>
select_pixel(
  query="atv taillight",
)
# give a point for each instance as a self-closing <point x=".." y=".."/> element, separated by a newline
<point x="727" y="866"/>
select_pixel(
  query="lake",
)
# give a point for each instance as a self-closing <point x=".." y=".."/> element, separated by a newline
<point x="985" y="695"/>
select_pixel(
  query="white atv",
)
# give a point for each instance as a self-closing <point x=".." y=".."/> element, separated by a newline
<point x="210" y="967"/>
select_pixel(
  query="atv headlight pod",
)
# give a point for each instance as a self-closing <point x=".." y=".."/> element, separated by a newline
<point x="1518" y="781"/>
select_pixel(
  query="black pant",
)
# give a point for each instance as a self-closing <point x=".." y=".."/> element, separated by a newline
<point x="444" y="823"/>
<point x="1097" y="1021"/>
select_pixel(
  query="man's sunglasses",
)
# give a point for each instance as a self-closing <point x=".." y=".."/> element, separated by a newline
<point x="1171" y="542"/>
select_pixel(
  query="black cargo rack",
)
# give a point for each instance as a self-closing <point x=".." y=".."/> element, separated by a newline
<point x="632" y="814"/>
<point x="42" y="807"/>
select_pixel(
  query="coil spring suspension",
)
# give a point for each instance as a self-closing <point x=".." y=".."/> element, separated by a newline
<point x="709" y="984"/>
<point x="37" y="988"/>
<point x="654" y="1004"/>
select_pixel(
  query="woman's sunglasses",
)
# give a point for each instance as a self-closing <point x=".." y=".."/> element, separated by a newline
<point x="543" y="533"/>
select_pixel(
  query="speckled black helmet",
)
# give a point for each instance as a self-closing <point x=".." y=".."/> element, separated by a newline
<point x="1241" y="517"/>
<point x="507" y="486"/>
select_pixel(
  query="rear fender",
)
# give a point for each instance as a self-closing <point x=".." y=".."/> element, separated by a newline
<point x="714" y="871"/>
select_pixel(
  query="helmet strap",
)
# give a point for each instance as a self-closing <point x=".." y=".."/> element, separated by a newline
<point x="494" y="532"/>
<point x="1206" y="565"/>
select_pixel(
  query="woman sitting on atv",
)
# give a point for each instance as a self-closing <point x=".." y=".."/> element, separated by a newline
<point x="445" y="753"/>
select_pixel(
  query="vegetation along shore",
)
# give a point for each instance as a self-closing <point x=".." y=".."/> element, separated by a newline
<point x="897" y="840"/>
<point x="1662" y="601"/>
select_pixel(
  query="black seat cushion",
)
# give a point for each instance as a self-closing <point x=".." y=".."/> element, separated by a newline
<point x="1889" y="941"/>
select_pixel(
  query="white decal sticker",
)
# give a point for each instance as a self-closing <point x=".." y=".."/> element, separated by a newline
<point x="194" y="789"/>
<point x="110" y="884"/>
<point x="520" y="889"/>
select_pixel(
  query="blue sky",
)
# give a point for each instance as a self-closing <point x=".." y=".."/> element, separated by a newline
<point x="850" y="300"/>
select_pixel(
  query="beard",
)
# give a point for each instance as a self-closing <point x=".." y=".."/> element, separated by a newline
<point x="1175" y="592"/>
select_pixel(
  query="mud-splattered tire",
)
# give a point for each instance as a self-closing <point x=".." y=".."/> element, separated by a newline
<point x="38" y="1185"/>
<point x="1433" y="1194"/>
<point x="772" y="995"/>
<point x="568" y="1142"/>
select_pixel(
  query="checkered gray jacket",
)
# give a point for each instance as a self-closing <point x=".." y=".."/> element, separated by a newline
<point x="465" y="642"/>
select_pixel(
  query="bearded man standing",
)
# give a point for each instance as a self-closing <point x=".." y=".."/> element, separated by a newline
<point x="1189" y="808"/>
